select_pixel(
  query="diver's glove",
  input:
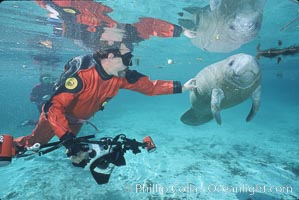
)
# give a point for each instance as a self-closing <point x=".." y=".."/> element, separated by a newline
<point x="69" y="141"/>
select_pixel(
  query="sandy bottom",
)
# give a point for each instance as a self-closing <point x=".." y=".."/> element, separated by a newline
<point x="237" y="160"/>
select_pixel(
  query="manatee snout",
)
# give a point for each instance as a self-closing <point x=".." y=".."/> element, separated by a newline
<point x="247" y="22"/>
<point x="243" y="70"/>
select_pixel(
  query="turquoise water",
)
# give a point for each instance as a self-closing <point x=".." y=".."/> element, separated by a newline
<point x="236" y="160"/>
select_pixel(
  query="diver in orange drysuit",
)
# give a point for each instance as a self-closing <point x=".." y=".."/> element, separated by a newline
<point x="86" y="21"/>
<point x="87" y="84"/>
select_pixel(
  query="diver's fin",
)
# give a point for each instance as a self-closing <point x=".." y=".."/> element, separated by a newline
<point x="256" y="101"/>
<point x="216" y="98"/>
<point x="186" y="23"/>
<point x="214" y="4"/>
<point x="190" y="117"/>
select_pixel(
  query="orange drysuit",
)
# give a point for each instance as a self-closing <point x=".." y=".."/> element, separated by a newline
<point x="84" y="88"/>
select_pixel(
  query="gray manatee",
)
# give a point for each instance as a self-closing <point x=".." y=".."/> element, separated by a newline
<point x="222" y="85"/>
<point x="225" y="25"/>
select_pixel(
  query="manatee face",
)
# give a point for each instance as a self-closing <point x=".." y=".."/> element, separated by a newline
<point x="225" y="25"/>
<point x="242" y="70"/>
<point x="245" y="24"/>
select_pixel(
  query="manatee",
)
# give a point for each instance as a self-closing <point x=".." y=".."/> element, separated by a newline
<point x="222" y="85"/>
<point x="224" y="25"/>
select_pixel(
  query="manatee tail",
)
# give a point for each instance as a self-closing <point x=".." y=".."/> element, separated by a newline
<point x="192" y="118"/>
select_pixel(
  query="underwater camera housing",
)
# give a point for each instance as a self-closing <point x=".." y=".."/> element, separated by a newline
<point x="101" y="155"/>
<point x="105" y="154"/>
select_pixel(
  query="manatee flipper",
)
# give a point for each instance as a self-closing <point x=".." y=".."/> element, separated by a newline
<point x="186" y="23"/>
<point x="256" y="101"/>
<point x="191" y="23"/>
<point x="192" y="10"/>
<point x="192" y="118"/>
<point x="216" y="98"/>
